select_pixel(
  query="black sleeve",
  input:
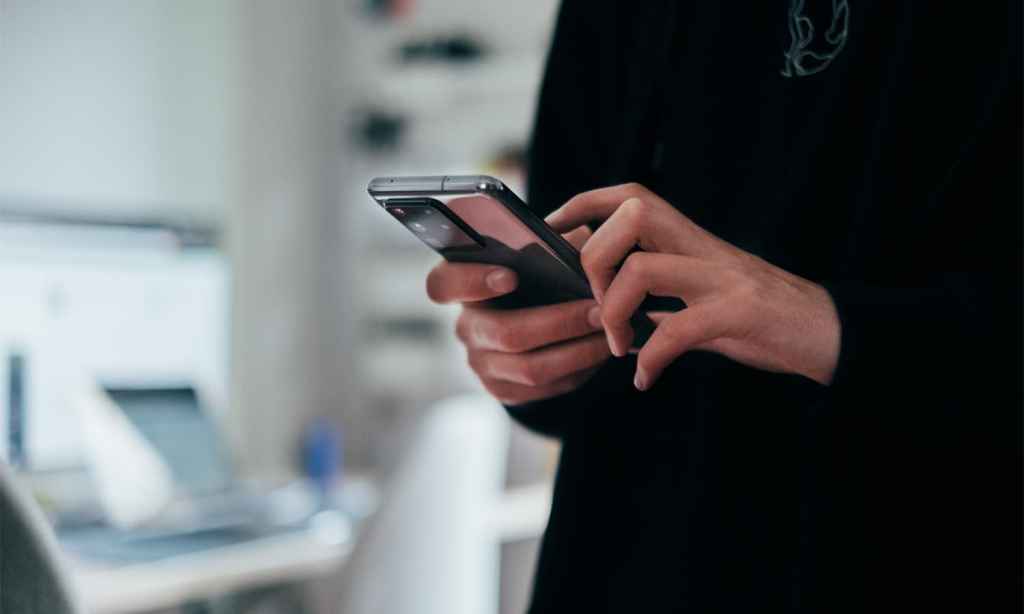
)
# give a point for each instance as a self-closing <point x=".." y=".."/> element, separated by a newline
<point x="925" y="426"/>
<point x="563" y="156"/>
<point x="947" y="345"/>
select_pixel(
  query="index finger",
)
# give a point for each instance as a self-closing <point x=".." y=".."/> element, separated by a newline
<point x="593" y="206"/>
<point x="458" y="282"/>
<point x="643" y="274"/>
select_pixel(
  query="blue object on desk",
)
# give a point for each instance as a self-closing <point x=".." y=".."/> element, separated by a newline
<point x="321" y="456"/>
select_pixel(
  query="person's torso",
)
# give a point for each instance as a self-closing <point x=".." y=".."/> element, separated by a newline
<point x="858" y="164"/>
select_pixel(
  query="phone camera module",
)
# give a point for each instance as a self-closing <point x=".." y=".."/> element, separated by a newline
<point x="398" y="211"/>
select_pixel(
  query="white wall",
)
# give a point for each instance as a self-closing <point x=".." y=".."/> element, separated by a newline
<point x="115" y="107"/>
<point x="287" y="236"/>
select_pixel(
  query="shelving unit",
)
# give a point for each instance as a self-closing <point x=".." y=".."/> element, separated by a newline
<point x="456" y="116"/>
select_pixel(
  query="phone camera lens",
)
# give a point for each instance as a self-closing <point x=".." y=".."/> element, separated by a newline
<point x="398" y="211"/>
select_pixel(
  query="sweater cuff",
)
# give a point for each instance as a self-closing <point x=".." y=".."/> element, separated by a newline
<point x="849" y="336"/>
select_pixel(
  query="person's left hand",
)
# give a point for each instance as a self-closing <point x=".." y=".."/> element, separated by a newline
<point x="738" y="305"/>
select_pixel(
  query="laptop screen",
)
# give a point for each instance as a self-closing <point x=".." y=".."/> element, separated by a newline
<point x="173" y="422"/>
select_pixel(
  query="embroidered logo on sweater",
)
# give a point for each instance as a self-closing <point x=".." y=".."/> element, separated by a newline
<point x="807" y="56"/>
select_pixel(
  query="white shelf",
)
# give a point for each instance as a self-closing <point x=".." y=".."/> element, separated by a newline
<point x="429" y="90"/>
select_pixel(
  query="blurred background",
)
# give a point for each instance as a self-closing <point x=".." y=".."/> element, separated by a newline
<point x="221" y="378"/>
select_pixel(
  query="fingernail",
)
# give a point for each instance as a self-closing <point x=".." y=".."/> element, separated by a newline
<point x="501" y="280"/>
<point x="554" y="214"/>
<point x="594" y="316"/>
<point x="614" y="346"/>
<point x="640" y="379"/>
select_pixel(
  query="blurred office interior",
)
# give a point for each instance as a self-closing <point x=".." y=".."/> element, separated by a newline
<point x="222" y="380"/>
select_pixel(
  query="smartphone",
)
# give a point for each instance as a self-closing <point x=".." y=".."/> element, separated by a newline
<point x="476" y="218"/>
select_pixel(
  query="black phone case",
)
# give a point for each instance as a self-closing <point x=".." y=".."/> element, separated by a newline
<point x="548" y="272"/>
<point x="543" y="280"/>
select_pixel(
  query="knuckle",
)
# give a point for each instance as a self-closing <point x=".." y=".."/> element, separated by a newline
<point x="573" y="202"/>
<point x="745" y="289"/>
<point x="462" y="327"/>
<point x="531" y="372"/>
<point x="507" y="338"/>
<point x="612" y="320"/>
<point x="731" y="276"/>
<point x="635" y="265"/>
<point x="578" y="319"/>
<point x="475" y="362"/>
<point x="482" y="329"/>
<point x="587" y="256"/>
<point x="499" y="393"/>
<point x="636" y="210"/>
<point x="635" y="188"/>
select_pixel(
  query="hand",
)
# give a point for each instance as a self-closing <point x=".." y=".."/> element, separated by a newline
<point x="738" y="305"/>
<point x="521" y="355"/>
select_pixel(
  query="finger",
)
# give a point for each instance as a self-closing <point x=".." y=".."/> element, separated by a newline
<point x="645" y="273"/>
<point x="451" y="282"/>
<point x="675" y="336"/>
<point x="665" y="228"/>
<point x="593" y="206"/>
<point x="544" y="366"/>
<point x="653" y="226"/>
<point x="578" y="237"/>
<point x="509" y="393"/>
<point x="612" y="242"/>
<point x="521" y="330"/>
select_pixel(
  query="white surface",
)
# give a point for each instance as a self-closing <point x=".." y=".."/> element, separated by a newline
<point x="180" y="579"/>
<point x="288" y="238"/>
<point x="523" y="512"/>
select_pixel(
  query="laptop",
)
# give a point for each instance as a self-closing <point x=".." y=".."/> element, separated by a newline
<point x="211" y="509"/>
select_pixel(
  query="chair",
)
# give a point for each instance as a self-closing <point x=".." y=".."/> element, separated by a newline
<point x="433" y="547"/>
<point x="32" y="579"/>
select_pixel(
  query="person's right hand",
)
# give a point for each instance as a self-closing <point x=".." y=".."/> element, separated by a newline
<point x="520" y="355"/>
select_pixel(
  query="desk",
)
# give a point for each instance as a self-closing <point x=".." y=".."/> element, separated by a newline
<point x="170" y="582"/>
<point x="520" y="513"/>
